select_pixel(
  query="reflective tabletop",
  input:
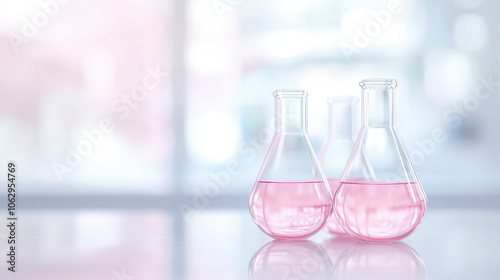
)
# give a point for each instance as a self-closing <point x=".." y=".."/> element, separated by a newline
<point x="451" y="244"/>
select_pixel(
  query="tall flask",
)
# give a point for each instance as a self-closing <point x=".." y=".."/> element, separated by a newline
<point x="291" y="198"/>
<point x="385" y="201"/>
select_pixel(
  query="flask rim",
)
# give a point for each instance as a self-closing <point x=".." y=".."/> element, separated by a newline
<point x="290" y="93"/>
<point x="378" y="82"/>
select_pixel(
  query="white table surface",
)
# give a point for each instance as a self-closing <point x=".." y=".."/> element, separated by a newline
<point x="451" y="244"/>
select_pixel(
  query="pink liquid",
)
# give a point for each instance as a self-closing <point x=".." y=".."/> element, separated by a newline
<point x="288" y="210"/>
<point x="380" y="211"/>
<point x="333" y="225"/>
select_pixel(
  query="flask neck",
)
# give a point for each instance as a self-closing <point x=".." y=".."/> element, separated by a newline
<point x="341" y="117"/>
<point x="378" y="102"/>
<point x="290" y="107"/>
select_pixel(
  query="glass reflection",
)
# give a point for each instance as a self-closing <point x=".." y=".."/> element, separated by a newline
<point x="380" y="261"/>
<point x="290" y="259"/>
<point x="335" y="248"/>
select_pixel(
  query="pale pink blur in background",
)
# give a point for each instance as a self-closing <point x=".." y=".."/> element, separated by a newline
<point x="223" y="59"/>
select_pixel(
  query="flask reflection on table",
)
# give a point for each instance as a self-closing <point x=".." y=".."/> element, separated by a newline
<point x="337" y="247"/>
<point x="290" y="259"/>
<point x="377" y="261"/>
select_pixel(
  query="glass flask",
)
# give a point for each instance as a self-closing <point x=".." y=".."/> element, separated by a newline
<point x="291" y="198"/>
<point x="384" y="201"/>
<point x="290" y="259"/>
<point x="338" y="145"/>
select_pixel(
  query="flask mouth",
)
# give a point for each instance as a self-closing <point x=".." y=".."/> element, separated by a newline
<point x="378" y="82"/>
<point x="290" y="108"/>
<point x="290" y="93"/>
<point x="378" y="97"/>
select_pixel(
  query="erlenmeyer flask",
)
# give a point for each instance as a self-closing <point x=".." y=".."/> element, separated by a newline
<point x="338" y="145"/>
<point x="291" y="198"/>
<point x="385" y="201"/>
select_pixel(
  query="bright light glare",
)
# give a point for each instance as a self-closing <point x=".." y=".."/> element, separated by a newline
<point x="287" y="44"/>
<point x="214" y="137"/>
<point x="294" y="6"/>
<point x="354" y="18"/>
<point x="210" y="58"/>
<point x="12" y="11"/>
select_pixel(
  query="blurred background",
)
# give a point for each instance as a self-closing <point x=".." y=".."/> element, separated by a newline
<point x="140" y="104"/>
<point x="66" y="70"/>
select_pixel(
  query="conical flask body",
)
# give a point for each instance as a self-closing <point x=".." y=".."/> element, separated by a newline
<point x="291" y="197"/>
<point x="380" y="196"/>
